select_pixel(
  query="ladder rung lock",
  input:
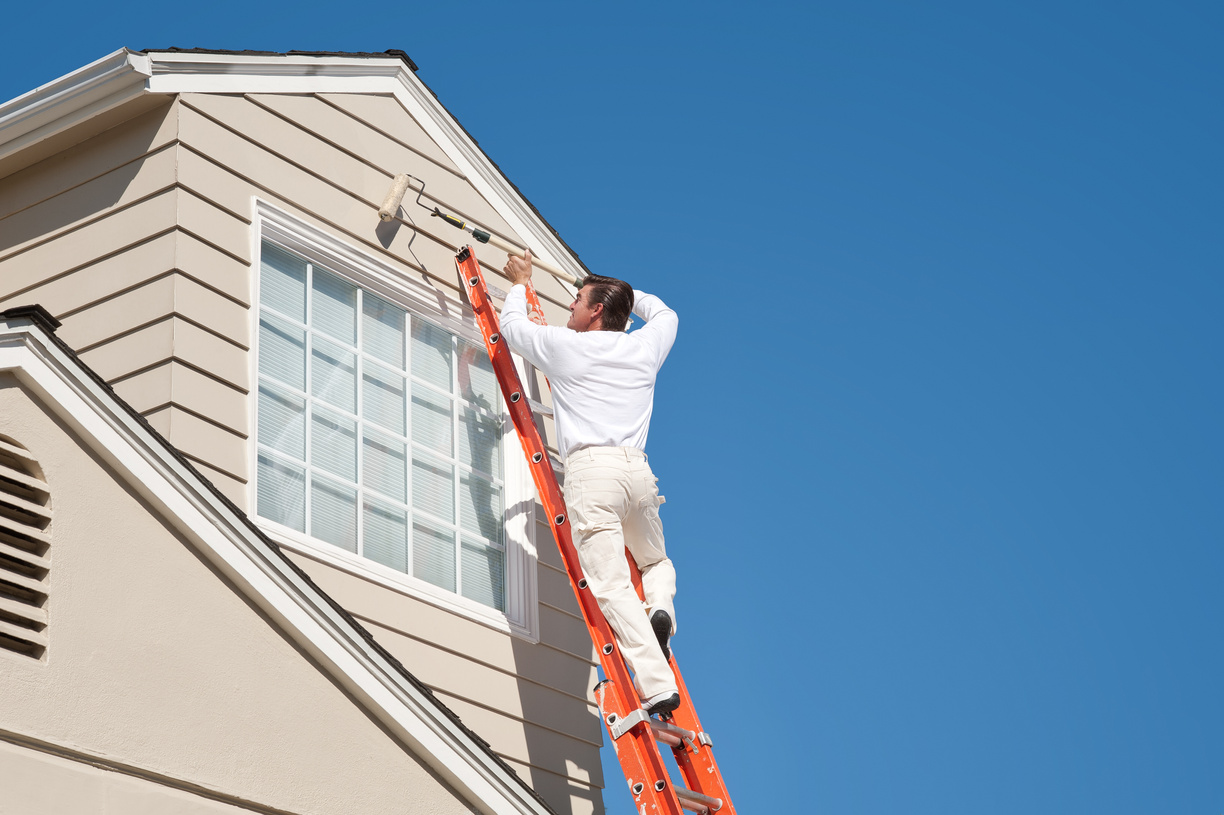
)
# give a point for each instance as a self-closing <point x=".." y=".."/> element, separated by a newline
<point x="536" y="458"/>
<point x="514" y="397"/>
<point x="697" y="802"/>
<point x="619" y="727"/>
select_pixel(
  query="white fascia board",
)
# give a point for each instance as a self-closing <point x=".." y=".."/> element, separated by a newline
<point x="241" y="73"/>
<point x="75" y="97"/>
<point x="223" y="537"/>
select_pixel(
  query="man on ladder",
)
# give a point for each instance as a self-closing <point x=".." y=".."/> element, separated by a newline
<point x="603" y="394"/>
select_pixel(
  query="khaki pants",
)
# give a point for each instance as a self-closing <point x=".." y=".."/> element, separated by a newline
<point x="613" y="501"/>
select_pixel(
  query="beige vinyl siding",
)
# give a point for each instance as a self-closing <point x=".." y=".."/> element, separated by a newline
<point x="313" y="158"/>
<point x="145" y="254"/>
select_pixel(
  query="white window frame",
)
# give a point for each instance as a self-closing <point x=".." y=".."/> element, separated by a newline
<point x="521" y="616"/>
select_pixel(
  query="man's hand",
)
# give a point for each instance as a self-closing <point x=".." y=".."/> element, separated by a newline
<point x="518" y="269"/>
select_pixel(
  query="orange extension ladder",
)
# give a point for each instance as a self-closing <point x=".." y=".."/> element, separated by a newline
<point x="634" y="734"/>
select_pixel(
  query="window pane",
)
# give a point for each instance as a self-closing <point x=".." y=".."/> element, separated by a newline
<point x="382" y="395"/>
<point x="477" y="382"/>
<point x="484" y="574"/>
<point x="333" y="443"/>
<point x="433" y="487"/>
<point x="333" y="513"/>
<point x="282" y="492"/>
<point x="431" y="354"/>
<point x="333" y="374"/>
<point x="384" y="465"/>
<point x="282" y="420"/>
<point x="433" y="554"/>
<point x="480" y="507"/>
<point x="480" y="441"/>
<point x="386" y="535"/>
<point x="282" y="282"/>
<point x="282" y="351"/>
<point x="431" y="420"/>
<point x="382" y="329"/>
<point x="334" y="310"/>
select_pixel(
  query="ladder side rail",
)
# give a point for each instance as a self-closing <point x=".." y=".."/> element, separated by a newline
<point x="642" y="763"/>
<point x="696" y="759"/>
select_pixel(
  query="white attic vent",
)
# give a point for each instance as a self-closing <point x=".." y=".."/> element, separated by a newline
<point x="25" y="514"/>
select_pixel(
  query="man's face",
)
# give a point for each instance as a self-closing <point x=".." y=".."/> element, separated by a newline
<point x="581" y="314"/>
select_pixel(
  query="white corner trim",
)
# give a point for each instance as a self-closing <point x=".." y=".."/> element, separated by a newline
<point x="226" y="541"/>
<point x="74" y="97"/>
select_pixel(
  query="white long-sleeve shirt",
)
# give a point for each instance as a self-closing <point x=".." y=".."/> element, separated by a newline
<point x="602" y="381"/>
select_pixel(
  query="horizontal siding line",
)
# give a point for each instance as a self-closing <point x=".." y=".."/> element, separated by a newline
<point x="168" y="145"/>
<point x="268" y="191"/>
<point x="237" y="216"/>
<point x="374" y="623"/>
<point x="243" y="392"/>
<point x="392" y="136"/>
<point x="338" y="147"/>
<point x="93" y="261"/>
<point x="116" y="293"/>
<point x="168" y="273"/>
<point x="209" y="286"/>
<point x="587" y="659"/>
<point x="222" y="250"/>
<point x="68" y="230"/>
<point x="505" y="715"/>
<point x="545" y="564"/>
<point x="560" y="610"/>
<point x="576" y="781"/>
<point x="243" y="436"/>
<point x="240" y="346"/>
<point x="209" y="465"/>
<point x="375" y="247"/>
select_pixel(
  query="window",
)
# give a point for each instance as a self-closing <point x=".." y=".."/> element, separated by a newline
<point x="378" y="431"/>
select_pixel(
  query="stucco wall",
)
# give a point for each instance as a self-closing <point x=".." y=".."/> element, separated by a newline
<point x="156" y="663"/>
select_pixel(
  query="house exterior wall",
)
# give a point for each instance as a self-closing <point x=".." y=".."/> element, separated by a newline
<point x="159" y="672"/>
<point x="140" y="240"/>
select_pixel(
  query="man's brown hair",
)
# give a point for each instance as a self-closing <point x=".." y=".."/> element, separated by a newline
<point x="616" y="297"/>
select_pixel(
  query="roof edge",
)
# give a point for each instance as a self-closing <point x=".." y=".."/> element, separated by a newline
<point x="48" y="109"/>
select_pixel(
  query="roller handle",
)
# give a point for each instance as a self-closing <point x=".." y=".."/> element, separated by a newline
<point x="493" y="240"/>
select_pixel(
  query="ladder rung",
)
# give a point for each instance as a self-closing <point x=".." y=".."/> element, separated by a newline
<point x="670" y="734"/>
<point x="697" y="802"/>
<point x="538" y="408"/>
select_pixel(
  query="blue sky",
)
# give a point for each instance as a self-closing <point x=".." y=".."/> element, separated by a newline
<point x="941" y="437"/>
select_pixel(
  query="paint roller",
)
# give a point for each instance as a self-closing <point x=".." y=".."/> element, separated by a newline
<point x="390" y="209"/>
